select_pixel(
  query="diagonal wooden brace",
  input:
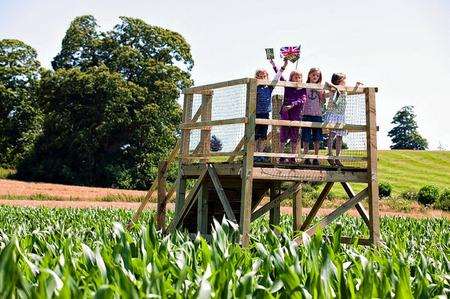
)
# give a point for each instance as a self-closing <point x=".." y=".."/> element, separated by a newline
<point x="190" y="199"/>
<point x="317" y="205"/>
<point x="359" y="207"/>
<point x="276" y="201"/>
<point x="339" y="211"/>
<point x="221" y="193"/>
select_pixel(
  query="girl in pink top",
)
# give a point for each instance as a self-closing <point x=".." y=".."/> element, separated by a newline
<point x="312" y="111"/>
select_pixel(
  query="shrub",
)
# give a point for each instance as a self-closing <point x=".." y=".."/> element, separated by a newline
<point x="443" y="202"/>
<point x="384" y="189"/>
<point x="409" y="194"/>
<point x="428" y="194"/>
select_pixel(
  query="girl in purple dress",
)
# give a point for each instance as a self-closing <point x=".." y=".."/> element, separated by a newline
<point x="291" y="109"/>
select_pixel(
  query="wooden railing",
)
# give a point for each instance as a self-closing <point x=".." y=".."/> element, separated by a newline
<point x="202" y="151"/>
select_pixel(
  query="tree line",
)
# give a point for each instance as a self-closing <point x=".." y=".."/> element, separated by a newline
<point x="106" y="112"/>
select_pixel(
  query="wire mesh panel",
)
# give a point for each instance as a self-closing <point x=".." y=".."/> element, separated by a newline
<point x="226" y="103"/>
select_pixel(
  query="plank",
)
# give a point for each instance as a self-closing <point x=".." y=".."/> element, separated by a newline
<point x="310" y="124"/>
<point x="338" y="212"/>
<point x="213" y="154"/>
<point x="276" y="107"/>
<point x="236" y="151"/>
<point x="211" y="123"/>
<point x="308" y="175"/>
<point x="162" y="196"/>
<point x="349" y="89"/>
<point x="202" y="209"/>
<point x="371" y="136"/>
<point x="275" y="201"/>
<point x="247" y="164"/>
<point x="274" y="213"/>
<point x="301" y="156"/>
<point x="359" y="207"/>
<point x="179" y="216"/>
<point x="201" y="88"/>
<point x="297" y="210"/>
<point x="194" y="170"/>
<point x="205" y="134"/>
<point x="317" y="205"/>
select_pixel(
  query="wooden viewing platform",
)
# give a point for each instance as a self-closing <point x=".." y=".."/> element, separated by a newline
<point x="232" y="184"/>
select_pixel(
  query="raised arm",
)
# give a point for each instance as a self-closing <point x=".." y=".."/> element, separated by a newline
<point x="278" y="72"/>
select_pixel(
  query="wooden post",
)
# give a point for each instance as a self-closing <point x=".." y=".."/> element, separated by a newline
<point x="374" y="220"/>
<point x="205" y="135"/>
<point x="202" y="209"/>
<point x="184" y="150"/>
<point x="274" y="214"/>
<point x="162" y="195"/>
<point x="276" y="106"/>
<point x="297" y="211"/>
<point x="247" y="172"/>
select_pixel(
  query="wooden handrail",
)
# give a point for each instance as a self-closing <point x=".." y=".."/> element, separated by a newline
<point x="211" y="123"/>
<point x="310" y="124"/>
<point x="201" y="88"/>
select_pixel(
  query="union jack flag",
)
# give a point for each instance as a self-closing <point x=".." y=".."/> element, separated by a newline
<point x="290" y="53"/>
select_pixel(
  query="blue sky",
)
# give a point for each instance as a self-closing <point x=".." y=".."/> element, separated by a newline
<point x="400" y="46"/>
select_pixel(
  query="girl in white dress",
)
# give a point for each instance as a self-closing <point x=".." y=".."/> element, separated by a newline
<point x="335" y="114"/>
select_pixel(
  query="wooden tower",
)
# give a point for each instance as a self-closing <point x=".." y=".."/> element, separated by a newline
<point x="232" y="184"/>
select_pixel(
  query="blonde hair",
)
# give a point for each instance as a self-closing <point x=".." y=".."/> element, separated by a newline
<point x="293" y="73"/>
<point x="261" y="71"/>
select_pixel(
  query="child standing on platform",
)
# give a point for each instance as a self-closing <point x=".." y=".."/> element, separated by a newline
<point x="312" y="111"/>
<point x="291" y="109"/>
<point x="264" y="107"/>
<point x="336" y="114"/>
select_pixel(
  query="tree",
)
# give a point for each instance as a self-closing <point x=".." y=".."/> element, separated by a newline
<point x="111" y="104"/>
<point x="404" y="135"/>
<point x="20" y="115"/>
<point x="216" y="144"/>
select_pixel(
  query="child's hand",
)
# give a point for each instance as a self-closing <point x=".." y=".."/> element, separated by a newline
<point x="286" y="108"/>
<point x="359" y="83"/>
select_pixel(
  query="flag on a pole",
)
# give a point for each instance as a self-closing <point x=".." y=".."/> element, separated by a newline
<point x="290" y="53"/>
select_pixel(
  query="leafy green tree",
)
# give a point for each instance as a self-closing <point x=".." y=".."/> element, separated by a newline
<point x="111" y="104"/>
<point x="404" y="135"/>
<point x="216" y="144"/>
<point x="20" y="115"/>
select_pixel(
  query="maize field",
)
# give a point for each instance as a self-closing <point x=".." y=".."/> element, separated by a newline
<point x="75" y="253"/>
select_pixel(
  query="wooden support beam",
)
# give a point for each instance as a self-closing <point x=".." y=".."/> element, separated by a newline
<point x="162" y="196"/>
<point x="154" y="186"/>
<point x="237" y="150"/>
<point x="202" y="209"/>
<point x="190" y="199"/>
<point x="205" y="125"/>
<point x="359" y="207"/>
<point x="276" y="107"/>
<point x="205" y="134"/>
<point x="297" y="210"/>
<point x="348" y="89"/>
<point x="212" y="154"/>
<point x="338" y="212"/>
<point x="274" y="213"/>
<point x="310" y="124"/>
<point x="194" y="170"/>
<point x="301" y="156"/>
<point x="308" y="175"/>
<point x="199" y="89"/>
<point x="247" y="163"/>
<point x="275" y="201"/>
<point x="317" y="205"/>
<point x="221" y="193"/>
<point x="371" y="140"/>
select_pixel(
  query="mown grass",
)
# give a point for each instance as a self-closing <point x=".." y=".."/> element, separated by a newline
<point x="42" y="197"/>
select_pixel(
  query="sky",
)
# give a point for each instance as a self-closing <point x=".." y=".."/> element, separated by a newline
<point x="402" y="47"/>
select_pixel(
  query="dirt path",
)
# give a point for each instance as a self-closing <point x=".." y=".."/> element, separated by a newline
<point x="170" y="206"/>
<point x="11" y="187"/>
<point x="87" y="197"/>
